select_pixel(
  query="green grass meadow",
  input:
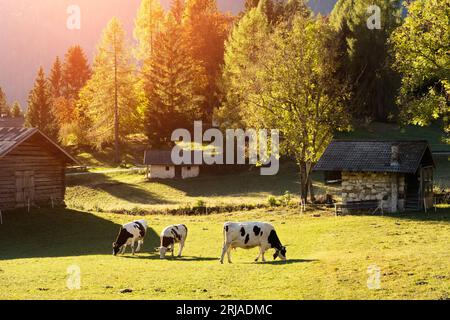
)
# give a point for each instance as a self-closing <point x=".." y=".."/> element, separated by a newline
<point x="328" y="257"/>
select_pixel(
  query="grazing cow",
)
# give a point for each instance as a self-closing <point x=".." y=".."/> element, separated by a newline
<point x="250" y="235"/>
<point x="129" y="234"/>
<point x="170" y="236"/>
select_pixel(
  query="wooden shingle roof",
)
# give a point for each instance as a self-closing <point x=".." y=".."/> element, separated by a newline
<point x="373" y="156"/>
<point x="10" y="138"/>
<point x="158" y="157"/>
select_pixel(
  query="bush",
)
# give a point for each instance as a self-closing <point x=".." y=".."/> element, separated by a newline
<point x="272" y="201"/>
<point x="200" y="204"/>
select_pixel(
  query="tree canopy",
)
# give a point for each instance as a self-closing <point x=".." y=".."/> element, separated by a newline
<point x="422" y="56"/>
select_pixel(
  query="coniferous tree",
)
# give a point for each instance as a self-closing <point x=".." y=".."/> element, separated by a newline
<point x="207" y="30"/>
<point x="148" y="23"/>
<point x="110" y="97"/>
<point x="366" y="57"/>
<point x="4" y="109"/>
<point x="56" y="79"/>
<point x="16" y="110"/>
<point x="76" y="72"/>
<point x="174" y="83"/>
<point x="242" y="53"/>
<point x="40" y="113"/>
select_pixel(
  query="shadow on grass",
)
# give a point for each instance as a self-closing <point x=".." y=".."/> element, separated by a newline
<point x="289" y="261"/>
<point x="170" y="258"/>
<point x="117" y="189"/>
<point x="48" y="233"/>
<point x="441" y="215"/>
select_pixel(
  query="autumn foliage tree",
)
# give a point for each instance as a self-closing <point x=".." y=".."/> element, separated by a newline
<point x="109" y="98"/>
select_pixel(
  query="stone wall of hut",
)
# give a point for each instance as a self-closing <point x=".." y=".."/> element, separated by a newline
<point x="364" y="186"/>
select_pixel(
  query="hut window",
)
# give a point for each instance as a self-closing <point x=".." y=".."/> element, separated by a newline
<point x="167" y="168"/>
<point x="189" y="168"/>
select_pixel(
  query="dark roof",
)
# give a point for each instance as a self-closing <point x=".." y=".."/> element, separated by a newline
<point x="10" y="138"/>
<point x="12" y="122"/>
<point x="158" y="157"/>
<point x="373" y="156"/>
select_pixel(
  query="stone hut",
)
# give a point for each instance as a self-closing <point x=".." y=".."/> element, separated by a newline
<point x="160" y="166"/>
<point x="397" y="173"/>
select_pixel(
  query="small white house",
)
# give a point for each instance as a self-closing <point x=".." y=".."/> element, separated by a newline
<point x="160" y="166"/>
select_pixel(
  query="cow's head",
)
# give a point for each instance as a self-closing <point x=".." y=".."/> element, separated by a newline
<point x="280" y="253"/>
<point x="116" y="248"/>
<point x="162" y="252"/>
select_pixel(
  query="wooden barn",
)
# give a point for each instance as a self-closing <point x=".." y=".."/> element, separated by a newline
<point x="32" y="169"/>
<point x="160" y="166"/>
<point x="397" y="175"/>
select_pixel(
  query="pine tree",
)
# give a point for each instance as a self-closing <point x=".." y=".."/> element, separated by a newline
<point x="56" y="78"/>
<point x="148" y="23"/>
<point x="76" y="72"/>
<point x="366" y="56"/>
<point x="207" y="30"/>
<point x="174" y="84"/>
<point x="16" y="110"/>
<point x="4" y="109"/>
<point x="110" y="97"/>
<point x="40" y="114"/>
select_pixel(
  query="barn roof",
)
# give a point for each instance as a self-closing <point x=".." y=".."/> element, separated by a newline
<point x="10" y="138"/>
<point x="159" y="157"/>
<point x="10" y="122"/>
<point x="374" y="156"/>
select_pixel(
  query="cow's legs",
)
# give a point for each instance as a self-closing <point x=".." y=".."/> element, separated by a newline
<point x="181" y="249"/>
<point x="262" y="254"/>
<point x="123" y="249"/>
<point x="132" y="248"/>
<point x="224" y="251"/>
<point x="259" y="255"/>
<point x="140" y="243"/>
<point x="229" y="254"/>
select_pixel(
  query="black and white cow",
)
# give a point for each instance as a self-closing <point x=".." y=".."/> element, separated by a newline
<point x="251" y="235"/>
<point x="170" y="236"/>
<point x="129" y="234"/>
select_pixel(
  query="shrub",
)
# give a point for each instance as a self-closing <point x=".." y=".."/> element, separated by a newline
<point x="272" y="201"/>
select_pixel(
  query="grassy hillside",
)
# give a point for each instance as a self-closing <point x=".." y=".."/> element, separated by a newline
<point x="328" y="257"/>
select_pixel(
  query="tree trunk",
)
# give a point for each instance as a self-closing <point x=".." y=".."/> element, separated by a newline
<point x="116" y="109"/>
<point x="303" y="182"/>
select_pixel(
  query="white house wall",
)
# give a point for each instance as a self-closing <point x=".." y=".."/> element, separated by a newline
<point x="161" y="172"/>
<point x="192" y="173"/>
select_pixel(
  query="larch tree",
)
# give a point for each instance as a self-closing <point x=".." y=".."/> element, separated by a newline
<point x="40" y="112"/>
<point x="109" y="97"/>
<point x="148" y="24"/>
<point x="422" y="56"/>
<point x="243" y="50"/>
<point x="174" y="83"/>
